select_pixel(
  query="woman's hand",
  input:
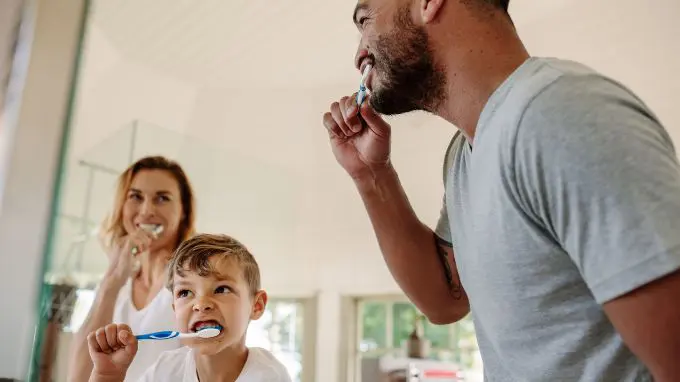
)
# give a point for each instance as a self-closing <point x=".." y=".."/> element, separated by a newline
<point x="121" y="257"/>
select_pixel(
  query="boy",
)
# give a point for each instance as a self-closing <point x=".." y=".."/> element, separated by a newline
<point x="214" y="281"/>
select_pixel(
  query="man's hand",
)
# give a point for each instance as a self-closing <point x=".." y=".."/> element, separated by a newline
<point x="112" y="349"/>
<point x="360" y="138"/>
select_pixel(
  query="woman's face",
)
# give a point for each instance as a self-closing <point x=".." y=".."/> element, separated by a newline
<point x="154" y="198"/>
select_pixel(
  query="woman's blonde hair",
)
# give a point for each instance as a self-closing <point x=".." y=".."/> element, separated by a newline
<point x="112" y="227"/>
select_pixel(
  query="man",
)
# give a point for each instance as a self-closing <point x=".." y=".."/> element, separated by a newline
<point x="562" y="202"/>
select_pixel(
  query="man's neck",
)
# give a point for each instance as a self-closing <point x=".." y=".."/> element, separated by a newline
<point x="473" y="76"/>
<point x="225" y="366"/>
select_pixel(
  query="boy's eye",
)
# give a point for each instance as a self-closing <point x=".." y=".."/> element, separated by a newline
<point x="222" y="289"/>
<point x="183" y="293"/>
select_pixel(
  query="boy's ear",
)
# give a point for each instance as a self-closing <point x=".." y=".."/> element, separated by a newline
<point x="259" y="304"/>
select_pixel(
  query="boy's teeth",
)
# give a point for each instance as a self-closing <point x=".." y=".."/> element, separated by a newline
<point x="206" y="324"/>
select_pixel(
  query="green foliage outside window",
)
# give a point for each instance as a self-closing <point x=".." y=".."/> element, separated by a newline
<point x="455" y="342"/>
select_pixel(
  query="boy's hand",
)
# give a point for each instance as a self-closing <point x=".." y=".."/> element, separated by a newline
<point x="112" y="349"/>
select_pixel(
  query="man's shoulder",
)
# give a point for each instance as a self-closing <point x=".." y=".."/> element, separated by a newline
<point x="570" y="103"/>
<point x="562" y="87"/>
<point x="579" y="122"/>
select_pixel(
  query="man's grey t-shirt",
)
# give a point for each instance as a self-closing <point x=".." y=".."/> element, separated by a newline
<point x="568" y="197"/>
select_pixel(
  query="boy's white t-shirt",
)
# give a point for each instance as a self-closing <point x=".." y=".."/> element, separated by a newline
<point x="154" y="317"/>
<point x="179" y="365"/>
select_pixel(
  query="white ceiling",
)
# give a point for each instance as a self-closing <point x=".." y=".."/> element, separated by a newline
<point x="245" y="44"/>
<point x="248" y="81"/>
<point x="237" y="44"/>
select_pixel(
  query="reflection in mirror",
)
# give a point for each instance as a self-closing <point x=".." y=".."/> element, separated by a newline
<point x="79" y="260"/>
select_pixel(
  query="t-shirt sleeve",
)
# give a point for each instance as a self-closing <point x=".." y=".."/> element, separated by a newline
<point x="443" y="227"/>
<point x="597" y="171"/>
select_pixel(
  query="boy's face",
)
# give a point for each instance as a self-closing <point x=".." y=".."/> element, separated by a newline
<point x="222" y="299"/>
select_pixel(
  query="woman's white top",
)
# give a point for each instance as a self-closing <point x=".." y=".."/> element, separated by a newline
<point x="156" y="316"/>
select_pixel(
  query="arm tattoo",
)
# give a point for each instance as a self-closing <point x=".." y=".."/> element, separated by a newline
<point x="454" y="287"/>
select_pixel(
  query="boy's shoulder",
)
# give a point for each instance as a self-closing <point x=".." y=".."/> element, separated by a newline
<point x="176" y="354"/>
<point x="263" y="364"/>
<point x="171" y="365"/>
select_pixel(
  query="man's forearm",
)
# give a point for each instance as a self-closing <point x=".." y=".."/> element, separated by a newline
<point x="417" y="262"/>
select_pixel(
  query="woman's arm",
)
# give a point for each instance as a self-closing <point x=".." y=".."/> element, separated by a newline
<point x="101" y="314"/>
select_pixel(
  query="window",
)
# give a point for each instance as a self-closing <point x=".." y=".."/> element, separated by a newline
<point x="83" y="302"/>
<point x="384" y="325"/>
<point x="280" y="330"/>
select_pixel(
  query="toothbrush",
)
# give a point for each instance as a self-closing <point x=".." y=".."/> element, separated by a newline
<point x="153" y="229"/>
<point x="361" y="95"/>
<point x="168" y="334"/>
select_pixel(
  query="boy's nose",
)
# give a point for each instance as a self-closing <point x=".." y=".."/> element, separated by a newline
<point x="203" y="305"/>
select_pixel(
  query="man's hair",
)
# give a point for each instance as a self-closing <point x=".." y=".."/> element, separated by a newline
<point x="194" y="255"/>
<point x="501" y="4"/>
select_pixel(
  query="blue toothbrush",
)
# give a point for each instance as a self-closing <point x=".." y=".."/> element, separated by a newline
<point x="168" y="334"/>
<point x="361" y="95"/>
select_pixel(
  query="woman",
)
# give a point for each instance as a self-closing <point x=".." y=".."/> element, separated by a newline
<point x="153" y="192"/>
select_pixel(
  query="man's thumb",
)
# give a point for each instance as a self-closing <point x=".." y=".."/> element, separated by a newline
<point x="374" y="121"/>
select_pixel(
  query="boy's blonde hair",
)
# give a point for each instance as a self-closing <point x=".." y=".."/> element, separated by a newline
<point x="194" y="255"/>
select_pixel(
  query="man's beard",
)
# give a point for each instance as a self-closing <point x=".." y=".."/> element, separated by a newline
<point x="409" y="78"/>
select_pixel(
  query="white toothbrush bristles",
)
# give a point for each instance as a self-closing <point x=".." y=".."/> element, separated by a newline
<point x="367" y="70"/>
<point x="208" y="333"/>
<point x="154" y="229"/>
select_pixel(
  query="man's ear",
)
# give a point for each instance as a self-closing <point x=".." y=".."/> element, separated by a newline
<point x="259" y="304"/>
<point x="430" y="9"/>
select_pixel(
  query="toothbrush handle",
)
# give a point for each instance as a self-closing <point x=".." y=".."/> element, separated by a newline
<point x="361" y="95"/>
<point x="163" y="335"/>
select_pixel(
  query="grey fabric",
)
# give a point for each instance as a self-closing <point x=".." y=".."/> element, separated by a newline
<point x="569" y="197"/>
